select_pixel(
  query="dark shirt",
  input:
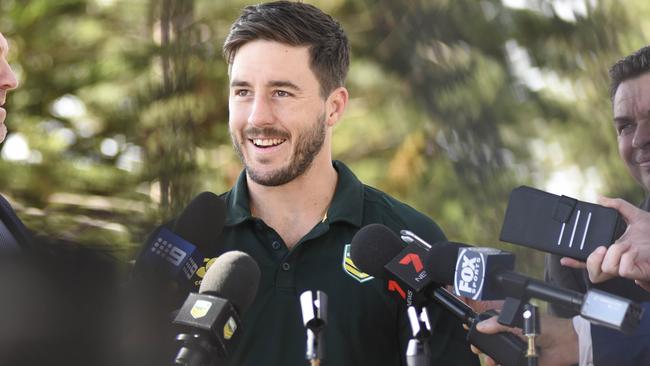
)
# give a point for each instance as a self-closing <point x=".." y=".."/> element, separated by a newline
<point x="366" y="325"/>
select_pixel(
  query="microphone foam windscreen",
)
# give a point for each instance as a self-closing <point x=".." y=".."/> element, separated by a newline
<point x="234" y="276"/>
<point x="441" y="261"/>
<point x="201" y="222"/>
<point x="373" y="247"/>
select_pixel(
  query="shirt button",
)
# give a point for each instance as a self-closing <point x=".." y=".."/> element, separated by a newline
<point x="276" y="245"/>
<point x="286" y="266"/>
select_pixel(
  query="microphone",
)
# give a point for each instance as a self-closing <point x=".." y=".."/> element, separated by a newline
<point x="171" y="258"/>
<point x="485" y="274"/>
<point x="559" y="224"/>
<point x="375" y="245"/>
<point x="314" y="315"/>
<point x="486" y="268"/>
<point x="417" y="353"/>
<point x="213" y="315"/>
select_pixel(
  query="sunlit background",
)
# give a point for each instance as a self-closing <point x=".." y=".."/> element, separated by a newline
<point x="121" y="116"/>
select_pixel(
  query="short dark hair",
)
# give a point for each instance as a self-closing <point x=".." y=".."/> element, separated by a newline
<point x="296" y="24"/>
<point x="629" y="67"/>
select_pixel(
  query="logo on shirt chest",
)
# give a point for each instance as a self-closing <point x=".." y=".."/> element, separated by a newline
<point x="351" y="269"/>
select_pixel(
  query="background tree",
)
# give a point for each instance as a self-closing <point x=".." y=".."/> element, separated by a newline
<point x="122" y="113"/>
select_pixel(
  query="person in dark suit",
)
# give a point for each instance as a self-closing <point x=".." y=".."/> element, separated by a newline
<point x="13" y="234"/>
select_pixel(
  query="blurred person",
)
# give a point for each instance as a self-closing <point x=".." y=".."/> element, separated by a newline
<point x="60" y="306"/>
<point x="13" y="234"/>
<point x="628" y="256"/>
<point x="295" y="210"/>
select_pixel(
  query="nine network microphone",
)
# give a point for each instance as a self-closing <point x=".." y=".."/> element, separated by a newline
<point x="164" y="273"/>
<point x="212" y="316"/>
<point x="168" y="263"/>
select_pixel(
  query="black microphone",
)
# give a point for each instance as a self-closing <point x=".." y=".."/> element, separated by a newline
<point x="171" y="258"/>
<point x="486" y="274"/>
<point x="164" y="273"/>
<point x="213" y="315"/>
<point x="559" y="224"/>
<point x="375" y="245"/>
<point x="485" y="268"/>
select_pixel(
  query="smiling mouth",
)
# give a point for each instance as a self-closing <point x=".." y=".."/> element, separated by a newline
<point x="265" y="143"/>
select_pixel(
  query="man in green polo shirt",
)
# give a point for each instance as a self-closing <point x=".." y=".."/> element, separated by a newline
<point x="295" y="210"/>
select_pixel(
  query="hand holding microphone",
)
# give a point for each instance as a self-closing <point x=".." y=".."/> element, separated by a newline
<point x="558" y="343"/>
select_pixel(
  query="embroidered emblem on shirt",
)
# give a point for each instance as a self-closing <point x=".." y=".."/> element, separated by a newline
<point x="351" y="269"/>
<point x="207" y="262"/>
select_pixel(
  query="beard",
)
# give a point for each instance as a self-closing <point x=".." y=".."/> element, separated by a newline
<point x="309" y="143"/>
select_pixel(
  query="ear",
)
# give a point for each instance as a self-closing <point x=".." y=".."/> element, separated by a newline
<point x="335" y="105"/>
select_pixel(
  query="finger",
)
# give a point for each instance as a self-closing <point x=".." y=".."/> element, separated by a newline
<point x="475" y="350"/>
<point x="489" y="361"/>
<point x="627" y="210"/>
<point x="491" y="326"/>
<point x="573" y="263"/>
<point x="612" y="259"/>
<point x="594" y="265"/>
<point x="628" y="267"/>
<point x="643" y="284"/>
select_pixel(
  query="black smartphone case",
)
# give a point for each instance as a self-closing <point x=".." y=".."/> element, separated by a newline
<point x="559" y="224"/>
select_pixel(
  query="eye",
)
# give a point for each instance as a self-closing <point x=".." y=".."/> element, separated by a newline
<point x="282" y="93"/>
<point x="241" y="92"/>
<point x="624" y="128"/>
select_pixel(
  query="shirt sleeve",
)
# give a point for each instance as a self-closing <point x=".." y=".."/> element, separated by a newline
<point x="583" y="329"/>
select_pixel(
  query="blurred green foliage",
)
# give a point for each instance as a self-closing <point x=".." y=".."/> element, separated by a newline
<point x="121" y="117"/>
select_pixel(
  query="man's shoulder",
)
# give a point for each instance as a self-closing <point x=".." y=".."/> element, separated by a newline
<point x="381" y="207"/>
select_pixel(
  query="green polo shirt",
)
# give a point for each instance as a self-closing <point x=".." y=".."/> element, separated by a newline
<point x="366" y="325"/>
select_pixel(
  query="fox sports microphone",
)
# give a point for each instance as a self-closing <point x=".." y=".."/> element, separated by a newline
<point x="213" y="315"/>
<point x="486" y="274"/>
<point x="375" y="246"/>
<point x="482" y="273"/>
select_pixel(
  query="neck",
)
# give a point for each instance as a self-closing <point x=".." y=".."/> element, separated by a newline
<point x="294" y="208"/>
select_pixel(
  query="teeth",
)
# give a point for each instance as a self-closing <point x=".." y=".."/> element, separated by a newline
<point x="267" y="142"/>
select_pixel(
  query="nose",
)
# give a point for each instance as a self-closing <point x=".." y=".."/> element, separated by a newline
<point x="262" y="111"/>
<point x="8" y="79"/>
<point x="641" y="134"/>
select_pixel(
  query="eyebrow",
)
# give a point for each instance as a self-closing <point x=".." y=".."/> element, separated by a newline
<point x="622" y="119"/>
<point x="272" y="83"/>
<point x="626" y="118"/>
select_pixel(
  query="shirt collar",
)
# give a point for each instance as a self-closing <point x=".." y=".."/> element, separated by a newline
<point x="347" y="205"/>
